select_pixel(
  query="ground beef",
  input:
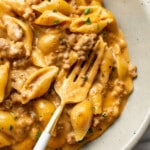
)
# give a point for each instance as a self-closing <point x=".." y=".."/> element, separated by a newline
<point x="133" y="71"/>
<point x="17" y="50"/>
<point x="84" y="44"/>
<point x="71" y="138"/>
<point x="119" y="89"/>
<point x="18" y="77"/>
<point x="72" y="39"/>
<point x="29" y="14"/>
<point x="96" y="121"/>
<point x="14" y="31"/>
<point x="23" y="125"/>
<point x="21" y="63"/>
<point x="4" y="44"/>
<point x="11" y="50"/>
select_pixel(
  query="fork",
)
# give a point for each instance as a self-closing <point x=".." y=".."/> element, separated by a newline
<point x="72" y="87"/>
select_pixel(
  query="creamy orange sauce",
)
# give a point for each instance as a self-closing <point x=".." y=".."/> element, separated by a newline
<point x="39" y="39"/>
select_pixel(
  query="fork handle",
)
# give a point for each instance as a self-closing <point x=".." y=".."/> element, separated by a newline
<point x="42" y="142"/>
<point x="46" y="134"/>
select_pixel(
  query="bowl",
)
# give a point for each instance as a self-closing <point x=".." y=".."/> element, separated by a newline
<point x="133" y="17"/>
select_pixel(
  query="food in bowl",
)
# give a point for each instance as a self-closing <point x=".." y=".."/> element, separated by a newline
<point x="39" y="39"/>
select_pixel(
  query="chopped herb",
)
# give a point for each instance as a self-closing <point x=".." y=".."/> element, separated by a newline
<point x="15" y="117"/>
<point x="54" y="10"/>
<point x="98" y="26"/>
<point x="88" y="21"/>
<point x="90" y="131"/>
<point x="93" y="108"/>
<point x="104" y="33"/>
<point x="84" y="77"/>
<point x="56" y="22"/>
<point x="38" y="134"/>
<point x="87" y="11"/>
<point x="104" y="114"/>
<point x="11" y="127"/>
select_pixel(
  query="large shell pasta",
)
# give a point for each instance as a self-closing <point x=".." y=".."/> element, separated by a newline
<point x="48" y="43"/>
<point x="4" y="140"/>
<point x="7" y="122"/>
<point x="49" y="18"/>
<point x="81" y="117"/>
<point x="17" y="5"/>
<point x="38" y="83"/>
<point x="122" y="65"/>
<point x="4" y="73"/>
<point x="58" y="5"/>
<point x="38" y="58"/>
<point x="43" y="43"/>
<point x="91" y="22"/>
<point x="26" y="144"/>
<point x="96" y="97"/>
<point x="44" y="109"/>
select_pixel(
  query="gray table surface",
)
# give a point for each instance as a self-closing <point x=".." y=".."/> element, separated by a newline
<point x="144" y="143"/>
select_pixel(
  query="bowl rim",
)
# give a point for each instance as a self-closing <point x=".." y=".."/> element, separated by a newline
<point x="140" y="132"/>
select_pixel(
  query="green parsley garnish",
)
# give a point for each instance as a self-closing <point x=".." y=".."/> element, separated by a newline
<point x="87" y="11"/>
<point x="56" y="22"/>
<point x="38" y="134"/>
<point x="54" y="10"/>
<point x="93" y="108"/>
<point x="98" y="27"/>
<point x="104" y="33"/>
<point x="104" y="114"/>
<point x="11" y="127"/>
<point x="15" y="117"/>
<point x="88" y="21"/>
<point x="90" y="131"/>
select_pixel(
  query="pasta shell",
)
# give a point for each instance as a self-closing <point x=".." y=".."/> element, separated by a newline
<point x="27" y="143"/>
<point x="7" y="122"/>
<point x="106" y="66"/>
<point x="38" y="83"/>
<point x="44" y="6"/>
<point x="5" y="140"/>
<point x="81" y="117"/>
<point x="48" y="43"/>
<point x="17" y="6"/>
<point x="63" y="7"/>
<point x="122" y="64"/>
<point x="4" y="72"/>
<point x="4" y="8"/>
<point x="49" y="18"/>
<point x="93" y="22"/>
<point x="44" y="110"/>
<point x="129" y="84"/>
<point x="96" y="97"/>
<point x="122" y="67"/>
<point x="58" y="5"/>
<point x="81" y="2"/>
<point x="38" y="58"/>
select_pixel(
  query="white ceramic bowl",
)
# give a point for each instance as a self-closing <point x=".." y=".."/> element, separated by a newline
<point x="133" y="17"/>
